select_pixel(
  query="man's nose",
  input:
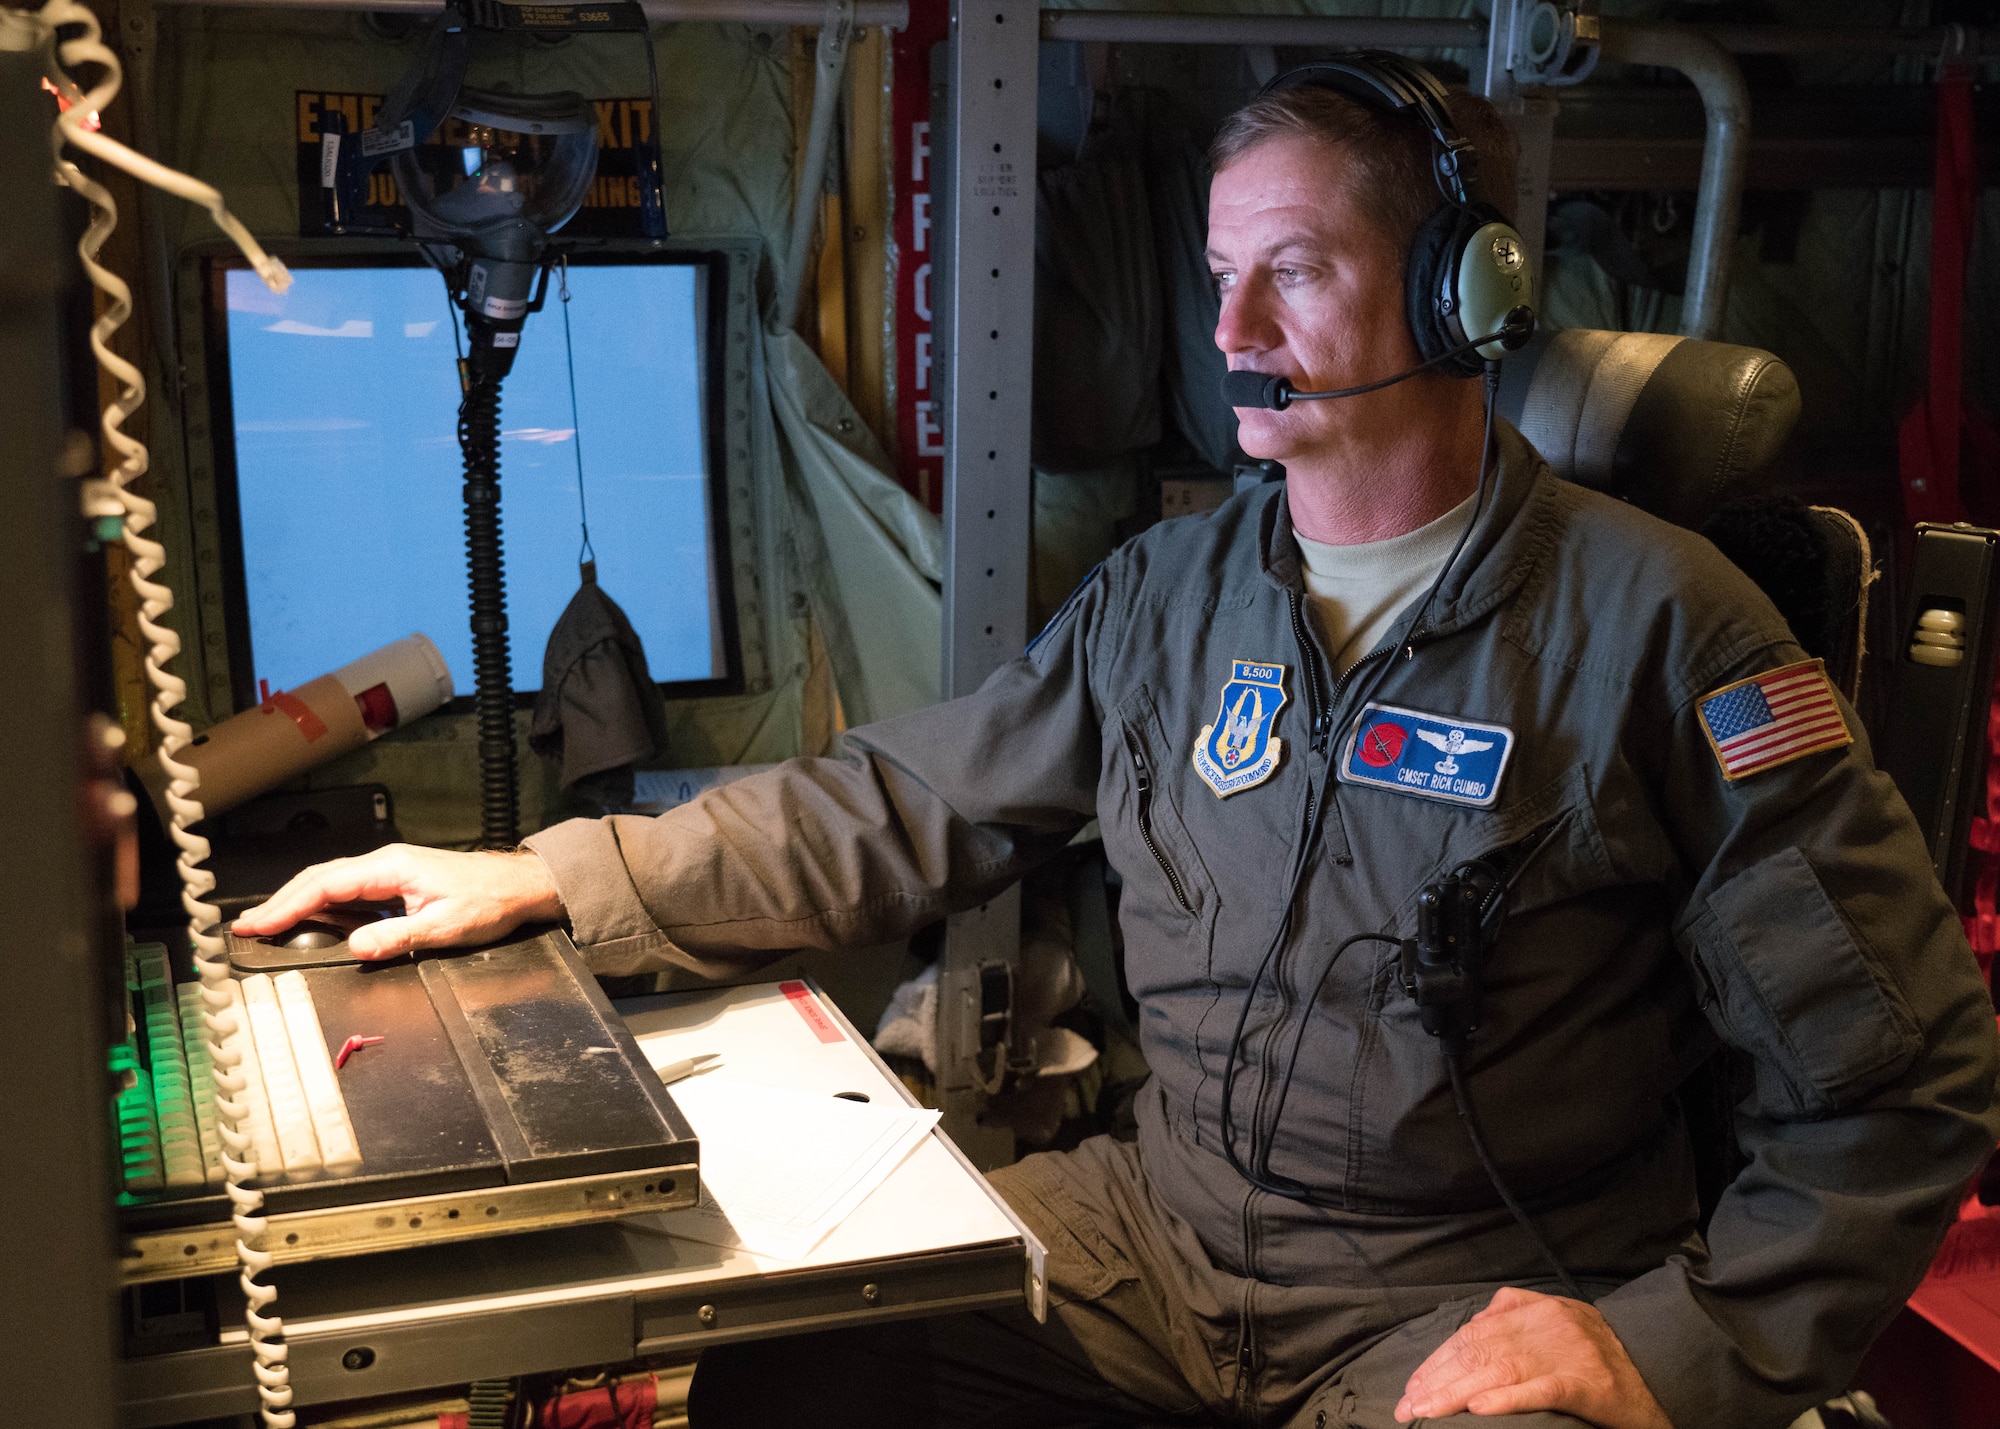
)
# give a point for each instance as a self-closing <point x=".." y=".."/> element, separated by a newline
<point x="1244" y="324"/>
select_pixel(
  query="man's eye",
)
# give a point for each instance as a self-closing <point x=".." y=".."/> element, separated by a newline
<point x="1219" y="281"/>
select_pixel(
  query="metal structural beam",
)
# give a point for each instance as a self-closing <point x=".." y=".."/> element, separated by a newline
<point x="1532" y="118"/>
<point x="829" y="69"/>
<point x="986" y="359"/>
<point x="1931" y="41"/>
<point x="1352" y="32"/>
<point x="1360" y="32"/>
<point x="890" y="14"/>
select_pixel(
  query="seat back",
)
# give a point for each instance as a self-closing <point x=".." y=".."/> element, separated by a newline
<point x="1690" y="431"/>
<point x="1676" y="426"/>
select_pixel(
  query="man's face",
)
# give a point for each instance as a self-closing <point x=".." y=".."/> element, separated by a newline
<point x="1310" y="290"/>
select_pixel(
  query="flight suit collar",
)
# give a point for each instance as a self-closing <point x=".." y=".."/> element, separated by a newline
<point x="1514" y="532"/>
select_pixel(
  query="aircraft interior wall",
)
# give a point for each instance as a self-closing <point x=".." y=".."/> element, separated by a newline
<point x="841" y="622"/>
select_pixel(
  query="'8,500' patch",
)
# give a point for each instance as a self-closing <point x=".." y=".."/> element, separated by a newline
<point x="1429" y="756"/>
<point x="1239" y="751"/>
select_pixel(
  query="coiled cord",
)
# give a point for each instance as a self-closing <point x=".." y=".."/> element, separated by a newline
<point x="162" y="645"/>
<point x="479" y="440"/>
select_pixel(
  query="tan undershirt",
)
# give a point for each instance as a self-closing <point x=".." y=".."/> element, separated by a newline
<point x="1359" y="591"/>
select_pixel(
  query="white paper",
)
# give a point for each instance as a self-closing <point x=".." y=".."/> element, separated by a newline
<point x="781" y="1168"/>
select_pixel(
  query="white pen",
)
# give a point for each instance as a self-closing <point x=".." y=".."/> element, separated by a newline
<point x="687" y="1066"/>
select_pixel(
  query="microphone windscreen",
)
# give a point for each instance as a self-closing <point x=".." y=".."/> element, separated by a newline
<point x="1252" y="389"/>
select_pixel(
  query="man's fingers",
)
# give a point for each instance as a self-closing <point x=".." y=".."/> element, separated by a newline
<point x="1546" y="1391"/>
<point x="394" y="936"/>
<point x="377" y="875"/>
<point x="1463" y="1366"/>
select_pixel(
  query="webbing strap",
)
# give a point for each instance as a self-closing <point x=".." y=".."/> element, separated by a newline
<point x="1621" y="376"/>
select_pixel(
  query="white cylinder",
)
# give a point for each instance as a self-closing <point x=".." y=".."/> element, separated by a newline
<point x="403" y="681"/>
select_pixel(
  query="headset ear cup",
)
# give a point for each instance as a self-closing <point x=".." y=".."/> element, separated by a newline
<point x="1430" y="275"/>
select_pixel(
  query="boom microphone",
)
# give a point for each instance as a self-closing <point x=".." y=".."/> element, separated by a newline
<point x="1247" y="388"/>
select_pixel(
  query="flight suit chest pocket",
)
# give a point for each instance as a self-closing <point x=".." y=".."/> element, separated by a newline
<point x="1789" y="982"/>
<point x="1150" y="812"/>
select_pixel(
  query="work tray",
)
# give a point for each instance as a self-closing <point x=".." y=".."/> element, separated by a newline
<point x="505" y="1096"/>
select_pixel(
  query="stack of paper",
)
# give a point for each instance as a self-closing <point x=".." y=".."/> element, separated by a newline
<point x="781" y="1168"/>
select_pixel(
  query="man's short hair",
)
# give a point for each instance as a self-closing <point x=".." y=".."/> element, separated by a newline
<point x="1392" y="152"/>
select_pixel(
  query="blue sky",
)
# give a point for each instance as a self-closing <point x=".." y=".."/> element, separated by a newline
<point x="345" y="392"/>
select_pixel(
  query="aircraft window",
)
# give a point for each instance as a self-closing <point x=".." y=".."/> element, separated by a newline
<point x="342" y="401"/>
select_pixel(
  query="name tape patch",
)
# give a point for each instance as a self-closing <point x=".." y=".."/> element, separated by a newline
<point x="1239" y="751"/>
<point x="1428" y="756"/>
<point x="1772" y="719"/>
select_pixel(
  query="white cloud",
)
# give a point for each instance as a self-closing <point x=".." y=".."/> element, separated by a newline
<point x="353" y="327"/>
<point x="254" y="297"/>
<point x="547" y="436"/>
<point x="418" y="329"/>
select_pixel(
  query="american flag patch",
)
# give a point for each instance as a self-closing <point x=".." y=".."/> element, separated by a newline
<point x="1760" y="723"/>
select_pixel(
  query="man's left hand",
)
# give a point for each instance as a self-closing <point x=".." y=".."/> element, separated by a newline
<point x="1526" y="1352"/>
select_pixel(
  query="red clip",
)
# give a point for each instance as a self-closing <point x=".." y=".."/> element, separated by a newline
<point x="351" y="1046"/>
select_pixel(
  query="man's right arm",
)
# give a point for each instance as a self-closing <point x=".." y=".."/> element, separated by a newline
<point x="922" y="815"/>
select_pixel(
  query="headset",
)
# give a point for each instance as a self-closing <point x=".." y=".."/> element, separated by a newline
<point x="1468" y="292"/>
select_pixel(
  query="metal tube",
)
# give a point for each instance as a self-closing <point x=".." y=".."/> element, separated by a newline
<point x="1145" y="28"/>
<point x="890" y="14"/>
<point x="1948" y="41"/>
<point x="1725" y="157"/>
<point x="829" y="65"/>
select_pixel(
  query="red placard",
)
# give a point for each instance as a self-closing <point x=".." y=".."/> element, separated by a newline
<point x="808" y="1007"/>
<point x="919" y="427"/>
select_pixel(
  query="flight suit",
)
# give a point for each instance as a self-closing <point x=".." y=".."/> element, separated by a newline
<point x="1791" y="914"/>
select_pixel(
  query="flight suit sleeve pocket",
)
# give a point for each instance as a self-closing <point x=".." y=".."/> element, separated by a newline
<point x="1787" y="981"/>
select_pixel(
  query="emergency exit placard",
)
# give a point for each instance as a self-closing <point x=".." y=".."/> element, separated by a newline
<point x="610" y="209"/>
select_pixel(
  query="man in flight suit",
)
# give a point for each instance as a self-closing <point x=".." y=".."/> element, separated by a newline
<point x="1303" y="1233"/>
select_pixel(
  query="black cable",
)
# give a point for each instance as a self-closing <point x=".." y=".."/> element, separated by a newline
<point x="656" y="163"/>
<point x="479" y="441"/>
<point x="1471" y="1121"/>
<point x="1298" y="1041"/>
<point x="1411" y="630"/>
<point x="588" y="553"/>
<point x="451" y="306"/>
<point x="1263" y="389"/>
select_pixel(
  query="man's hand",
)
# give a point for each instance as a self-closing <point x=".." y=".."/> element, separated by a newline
<point x="1526" y="1352"/>
<point x="451" y="898"/>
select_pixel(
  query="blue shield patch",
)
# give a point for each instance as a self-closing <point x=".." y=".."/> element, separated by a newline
<point x="1429" y="756"/>
<point x="1239" y="751"/>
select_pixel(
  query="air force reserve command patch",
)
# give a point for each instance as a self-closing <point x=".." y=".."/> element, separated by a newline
<point x="1772" y="719"/>
<point x="1239" y="751"/>
<point x="1430" y="756"/>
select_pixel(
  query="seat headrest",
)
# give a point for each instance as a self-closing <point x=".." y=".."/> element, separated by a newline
<point x="1676" y="426"/>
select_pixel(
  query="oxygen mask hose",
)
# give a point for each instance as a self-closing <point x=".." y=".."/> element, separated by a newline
<point x="479" y="440"/>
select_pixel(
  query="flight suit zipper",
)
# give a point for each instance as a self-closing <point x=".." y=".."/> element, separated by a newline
<point x="1319" y="722"/>
<point x="1143" y="777"/>
<point x="1322" y="725"/>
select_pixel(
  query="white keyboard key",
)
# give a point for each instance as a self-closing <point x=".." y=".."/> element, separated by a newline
<point x="334" y="1132"/>
<point x="201" y="1080"/>
<point x="256" y="1105"/>
<point x="291" y="1118"/>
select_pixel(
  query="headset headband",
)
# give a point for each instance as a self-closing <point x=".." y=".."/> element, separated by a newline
<point x="1389" y="83"/>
